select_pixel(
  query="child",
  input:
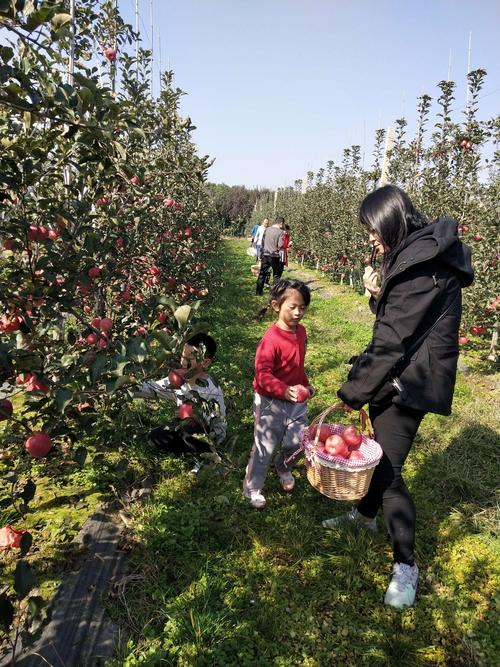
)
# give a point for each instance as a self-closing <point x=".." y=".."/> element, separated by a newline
<point x="281" y="390"/>
<point x="198" y="384"/>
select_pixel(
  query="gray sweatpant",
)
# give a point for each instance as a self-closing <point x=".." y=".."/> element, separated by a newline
<point x="276" y="422"/>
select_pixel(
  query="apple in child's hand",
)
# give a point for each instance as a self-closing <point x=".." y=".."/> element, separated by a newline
<point x="176" y="378"/>
<point x="302" y="393"/>
<point x="352" y="437"/>
<point x="185" y="411"/>
<point x="335" y="445"/>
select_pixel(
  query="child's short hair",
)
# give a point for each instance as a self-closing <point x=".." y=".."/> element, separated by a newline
<point x="207" y="341"/>
<point x="278" y="290"/>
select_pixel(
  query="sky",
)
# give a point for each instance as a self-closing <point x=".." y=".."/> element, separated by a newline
<point x="279" y="87"/>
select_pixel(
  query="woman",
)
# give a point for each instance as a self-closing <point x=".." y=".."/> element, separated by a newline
<point x="415" y="341"/>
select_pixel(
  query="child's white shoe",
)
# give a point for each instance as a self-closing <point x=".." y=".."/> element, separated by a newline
<point x="257" y="500"/>
<point x="403" y="587"/>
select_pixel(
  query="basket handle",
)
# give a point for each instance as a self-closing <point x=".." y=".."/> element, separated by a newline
<point x="319" y="419"/>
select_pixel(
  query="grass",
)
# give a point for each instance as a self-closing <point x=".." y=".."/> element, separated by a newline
<point x="212" y="582"/>
<point x="217" y="583"/>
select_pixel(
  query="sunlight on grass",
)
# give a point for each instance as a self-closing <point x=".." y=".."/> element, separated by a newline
<point x="222" y="584"/>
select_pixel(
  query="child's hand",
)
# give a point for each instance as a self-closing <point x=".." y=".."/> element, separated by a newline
<point x="297" y="394"/>
<point x="312" y="391"/>
<point x="291" y="394"/>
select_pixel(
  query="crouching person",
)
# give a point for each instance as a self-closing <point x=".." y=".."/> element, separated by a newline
<point x="190" y="386"/>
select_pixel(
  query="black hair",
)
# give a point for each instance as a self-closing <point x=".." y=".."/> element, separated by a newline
<point x="279" y="220"/>
<point x="207" y="341"/>
<point x="278" y="293"/>
<point x="390" y="213"/>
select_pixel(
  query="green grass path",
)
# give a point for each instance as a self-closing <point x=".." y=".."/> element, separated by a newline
<point x="214" y="582"/>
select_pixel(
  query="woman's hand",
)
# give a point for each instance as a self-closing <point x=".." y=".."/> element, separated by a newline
<point x="370" y="281"/>
<point x="291" y="394"/>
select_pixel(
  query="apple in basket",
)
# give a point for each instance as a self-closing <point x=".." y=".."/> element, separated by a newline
<point x="335" y="445"/>
<point x="324" y="432"/>
<point x="356" y="455"/>
<point x="352" y="437"/>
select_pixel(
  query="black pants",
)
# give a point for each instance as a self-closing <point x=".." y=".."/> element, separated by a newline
<point x="170" y="441"/>
<point x="395" y="429"/>
<point x="268" y="262"/>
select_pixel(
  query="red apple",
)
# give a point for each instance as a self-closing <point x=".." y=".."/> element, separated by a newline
<point x="54" y="234"/>
<point x="34" y="384"/>
<point x="110" y="54"/>
<point x="463" y="340"/>
<point x="38" y="445"/>
<point x="95" y="322"/>
<point x="185" y="411"/>
<point x="176" y="378"/>
<point x="324" y="432"/>
<point x="168" y="201"/>
<point x="6" y="409"/>
<point x="479" y="331"/>
<point x="91" y="339"/>
<point x="352" y="437"/>
<point x="335" y="445"/>
<point x="94" y="272"/>
<point x="302" y="393"/>
<point x="106" y="324"/>
<point x="8" y="244"/>
<point x="356" y="455"/>
<point x="463" y="143"/>
<point x="134" y="180"/>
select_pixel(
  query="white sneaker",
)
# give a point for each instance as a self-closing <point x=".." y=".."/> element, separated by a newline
<point x="352" y="515"/>
<point x="403" y="587"/>
<point x="257" y="500"/>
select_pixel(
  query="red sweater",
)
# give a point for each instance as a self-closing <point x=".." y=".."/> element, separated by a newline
<point x="279" y="361"/>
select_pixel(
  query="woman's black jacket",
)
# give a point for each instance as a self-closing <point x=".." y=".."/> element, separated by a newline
<point x="423" y="279"/>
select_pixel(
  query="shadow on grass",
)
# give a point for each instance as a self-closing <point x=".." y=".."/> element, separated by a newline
<point x="218" y="583"/>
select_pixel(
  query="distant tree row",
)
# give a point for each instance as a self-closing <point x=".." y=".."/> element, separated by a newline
<point x="234" y="205"/>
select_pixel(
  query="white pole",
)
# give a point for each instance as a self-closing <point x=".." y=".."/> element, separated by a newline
<point x="159" y="54"/>
<point x="137" y="38"/>
<point x="468" y="67"/>
<point x="71" y="70"/>
<point x="389" y="143"/>
<point x="152" y="45"/>
<point x="71" y="64"/>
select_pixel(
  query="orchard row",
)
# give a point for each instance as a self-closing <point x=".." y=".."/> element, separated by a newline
<point x="107" y="235"/>
<point x="454" y="170"/>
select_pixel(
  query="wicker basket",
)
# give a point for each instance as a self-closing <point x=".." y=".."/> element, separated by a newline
<point x="333" y="476"/>
<point x="255" y="269"/>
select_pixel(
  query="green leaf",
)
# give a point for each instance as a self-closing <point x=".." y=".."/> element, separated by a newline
<point x="182" y="315"/>
<point x="26" y="542"/>
<point x="37" y="18"/>
<point x="80" y="456"/>
<point x="63" y="398"/>
<point x="6" y="611"/>
<point x="136" y="348"/>
<point x="113" y="385"/>
<point x="24" y="579"/>
<point x="97" y="366"/>
<point x="60" y="21"/>
<point x="167" y="301"/>
<point x="28" y="493"/>
<point x="166" y="341"/>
